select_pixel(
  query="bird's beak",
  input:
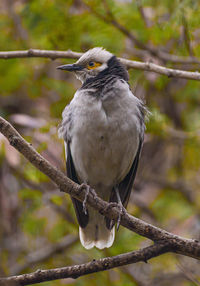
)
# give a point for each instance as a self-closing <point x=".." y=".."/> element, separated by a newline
<point x="73" y="67"/>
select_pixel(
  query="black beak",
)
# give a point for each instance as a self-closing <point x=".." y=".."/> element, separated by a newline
<point x="73" y="67"/>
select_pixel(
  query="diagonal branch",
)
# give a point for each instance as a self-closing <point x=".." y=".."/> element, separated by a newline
<point x="188" y="247"/>
<point x="142" y="13"/>
<point x="156" y="52"/>
<point x="87" y="268"/>
<point x="145" y="66"/>
<point x="110" y="19"/>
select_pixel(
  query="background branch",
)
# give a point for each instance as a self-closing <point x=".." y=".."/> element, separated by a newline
<point x="87" y="268"/>
<point x="156" y="52"/>
<point x="146" y="66"/>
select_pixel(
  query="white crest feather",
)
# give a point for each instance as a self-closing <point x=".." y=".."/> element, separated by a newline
<point x="96" y="54"/>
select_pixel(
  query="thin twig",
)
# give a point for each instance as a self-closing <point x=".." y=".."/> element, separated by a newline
<point x="164" y="56"/>
<point x="188" y="274"/>
<point x="186" y="35"/>
<point x="87" y="268"/>
<point x="146" y="66"/>
<point x="34" y="53"/>
<point x="142" y="13"/>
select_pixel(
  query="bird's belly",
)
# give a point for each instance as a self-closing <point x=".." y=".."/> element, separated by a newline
<point x="103" y="151"/>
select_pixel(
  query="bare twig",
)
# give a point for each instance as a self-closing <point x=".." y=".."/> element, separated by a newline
<point x="146" y="66"/>
<point x="110" y="19"/>
<point x="142" y="13"/>
<point x="87" y="268"/>
<point x="186" y="35"/>
<point x="19" y="29"/>
<point x="188" y="274"/>
<point x="161" y="70"/>
<point x="34" y="53"/>
<point x="164" y="56"/>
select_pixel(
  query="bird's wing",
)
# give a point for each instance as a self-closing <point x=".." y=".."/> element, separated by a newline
<point x="64" y="132"/>
<point x="125" y="186"/>
<point x="71" y="173"/>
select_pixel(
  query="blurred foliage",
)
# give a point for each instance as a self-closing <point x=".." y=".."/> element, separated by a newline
<point x="33" y="213"/>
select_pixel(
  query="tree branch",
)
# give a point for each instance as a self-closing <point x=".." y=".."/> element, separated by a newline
<point x="164" y="240"/>
<point x="146" y="66"/>
<point x="162" y="55"/>
<point x="142" y="13"/>
<point x="87" y="268"/>
<point x="184" y="246"/>
<point x="34" y="53"/>
<point x="186" y="35"/>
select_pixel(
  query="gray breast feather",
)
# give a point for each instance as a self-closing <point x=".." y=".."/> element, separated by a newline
<point x="110" y="93"/>
<point x="105" y="133"/>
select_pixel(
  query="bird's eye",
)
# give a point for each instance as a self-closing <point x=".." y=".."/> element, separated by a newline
<point x="93" y="65"/>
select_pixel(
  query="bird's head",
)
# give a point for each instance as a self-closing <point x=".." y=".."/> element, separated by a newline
<point x="91" y="64"/>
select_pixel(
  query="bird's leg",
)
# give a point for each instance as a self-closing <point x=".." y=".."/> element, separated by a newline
<point x="85" y="199"/>
<point x="88" y="189"/>
<point x="121" y="207"/>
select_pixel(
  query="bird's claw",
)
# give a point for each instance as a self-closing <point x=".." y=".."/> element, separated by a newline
<point x="111" y="205"/>
<point x="122" y="211"/>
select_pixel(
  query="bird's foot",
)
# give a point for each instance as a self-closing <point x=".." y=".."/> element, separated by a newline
<point x="111" y="205"/>
<point x="88" y="190"/>
<point x="122" y="211"/>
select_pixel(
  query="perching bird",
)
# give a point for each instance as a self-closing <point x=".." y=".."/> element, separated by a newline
<point x="103" y="129"/>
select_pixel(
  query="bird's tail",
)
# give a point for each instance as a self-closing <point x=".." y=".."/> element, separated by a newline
<point x="96" y="233"/>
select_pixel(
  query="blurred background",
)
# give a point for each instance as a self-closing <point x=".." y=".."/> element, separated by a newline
<point x="38" y="228"/>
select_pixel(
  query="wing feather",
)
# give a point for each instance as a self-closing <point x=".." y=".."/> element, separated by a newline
<point x="71" y="173"/>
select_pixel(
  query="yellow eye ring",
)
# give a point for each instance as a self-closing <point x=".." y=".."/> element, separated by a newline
<point x="93" y="65"/>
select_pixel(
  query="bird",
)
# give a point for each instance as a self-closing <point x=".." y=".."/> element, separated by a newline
<point x="103" y="130"/>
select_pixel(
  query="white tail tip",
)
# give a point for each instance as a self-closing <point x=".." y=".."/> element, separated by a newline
<point x="105" y="238"/>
